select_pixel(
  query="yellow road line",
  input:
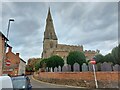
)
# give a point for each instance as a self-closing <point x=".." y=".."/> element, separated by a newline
<point x="55" y="84"/>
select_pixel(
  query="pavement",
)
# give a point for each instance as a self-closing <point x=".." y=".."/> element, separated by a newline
<point x="39" y="84"/>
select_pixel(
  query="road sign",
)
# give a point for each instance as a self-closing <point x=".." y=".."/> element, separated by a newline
<point x="8" y="62"/>
<point x="93" y="62"/>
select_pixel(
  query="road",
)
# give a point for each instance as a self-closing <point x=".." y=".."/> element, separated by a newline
<point x="39" y="84"/>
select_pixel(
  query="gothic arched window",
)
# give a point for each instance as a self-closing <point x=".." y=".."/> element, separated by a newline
<point x="50" y="35"/>
<point x="51" y="45"/>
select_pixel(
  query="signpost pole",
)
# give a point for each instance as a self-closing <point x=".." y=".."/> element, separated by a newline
<point x="96" y="84"/>
<point x="93" y="62"/>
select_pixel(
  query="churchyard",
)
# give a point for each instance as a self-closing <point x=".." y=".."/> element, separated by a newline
<point x="107" y="75"/>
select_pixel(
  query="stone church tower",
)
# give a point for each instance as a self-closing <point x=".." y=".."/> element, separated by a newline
<point x="50" y="39"/>
<point x="52" y="47"/>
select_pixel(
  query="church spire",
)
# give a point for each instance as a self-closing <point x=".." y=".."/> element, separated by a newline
<point x="49" y="30"/>
<point x="49" y="15"/>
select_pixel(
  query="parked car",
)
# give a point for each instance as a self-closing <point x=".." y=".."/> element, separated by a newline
<point x="6" y="83"/>
<point x="21" y="82"/>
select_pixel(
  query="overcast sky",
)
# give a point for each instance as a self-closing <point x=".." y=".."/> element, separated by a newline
<point x="91" y="24"/>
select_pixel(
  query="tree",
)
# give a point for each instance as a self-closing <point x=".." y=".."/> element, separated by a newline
<point x="55" y="61"/>
<point x="31" y="64"/>
<point x="88" y="61"/>
<point x="43" y="63"/>
<point x="29" y="69"/>
<point x="76" y="57"/>
<point x="37" y="65"/>
<point x="99" y="58"/>
<point x="40" y="64"/>
<point x="108" y="58"/>
<point x="115" y="54"/>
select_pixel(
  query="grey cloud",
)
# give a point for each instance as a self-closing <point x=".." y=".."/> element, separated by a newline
<point x="103" y="14"/>
<point x="75" y="23"/>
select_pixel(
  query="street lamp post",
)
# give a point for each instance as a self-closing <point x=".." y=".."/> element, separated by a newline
<point x="9" y="26"/>
<point x="4" y="56"/>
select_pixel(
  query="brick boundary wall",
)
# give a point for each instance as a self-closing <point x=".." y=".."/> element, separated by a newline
<point x="85" y="79"/>
<point x="112" y="76"/>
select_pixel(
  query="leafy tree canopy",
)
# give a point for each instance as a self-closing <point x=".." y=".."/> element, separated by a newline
<point x="116" y="54"/>
<point x="113" y="57"/>
<point x="108" y="58"/>
<point x="55" y="61"/>
<point x="99" y="58"/>
<point x="76" y="57"/>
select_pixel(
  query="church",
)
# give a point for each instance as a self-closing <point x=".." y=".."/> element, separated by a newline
<point x="52" y="47"/>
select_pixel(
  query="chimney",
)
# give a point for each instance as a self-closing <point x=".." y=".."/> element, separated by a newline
<point x="10" y="49"/>
<point x="18" y="58"/>
<point x="17" y="54"/>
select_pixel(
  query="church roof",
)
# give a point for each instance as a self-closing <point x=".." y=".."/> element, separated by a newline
<point x="49" y="30"/>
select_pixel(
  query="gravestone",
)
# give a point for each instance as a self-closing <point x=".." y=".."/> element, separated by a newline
<point x="69" y="68"/>
<point x="84" y="67"/>
<point x="90" y="67"/>
<point x="55" y="69"/>
<point x="59" y="69"/>
<point x="106" y="66"/>
<point x="98" y="66"/>
<point x="47" y="69"/>
<point x="76" y="67"/>
<point x="116" y="67"/>
<point x="51" y="70"/>
<point x="65" y="68"/>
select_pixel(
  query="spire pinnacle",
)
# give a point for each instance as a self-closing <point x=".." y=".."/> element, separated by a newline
<point x="49" y="9"/>
<point x="49" y="31"/>
<point x="49" y="15"/>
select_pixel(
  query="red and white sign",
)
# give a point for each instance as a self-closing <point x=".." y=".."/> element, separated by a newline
<point x="93" y="61"/>
<point x="8" y="62"/>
